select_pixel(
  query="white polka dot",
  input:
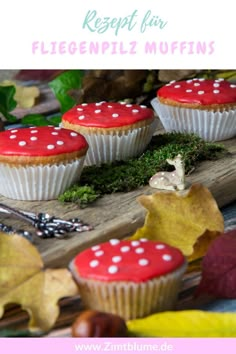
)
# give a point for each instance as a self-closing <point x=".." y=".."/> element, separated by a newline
<point x="166" y="257"/>
<point x="54" y="133"/>
<point x="50" y="147"/>
<point x="201" y="92"/>
<point x="233" y="86"/>
<point x="143" y="262"/>
<point x="79" y="109"/>
<point x="115" y="115"/>
<point x="60" y="142"/>
<point x="12" y="136"/>
<point x="216" y="85"/>
<point x="220" y="79"/>
<point x="57" y="128"/>
<point x="135" y="110"/>
<point x="125" y="249"/>
<point x="84" y="104"/>
<point x="81" y="117"/>
<point x="14" y="130"/>
<point x="135" y="243"/>
<point x="123" y="102"/>
<point x="143" y="239"/>
<point x="73" y="134"/>
<point x="116" y="259"/>
<point x="34" y="131"/>
<point x="22" y="143"/>
<point x="94" y="263"/>
<point x="196" y="84"/>
<point x="143" y="106"/>
<point x="160" y="247"/>
<point x="216" y="91"/>
<point x="110" y="106"/>
<point x="189" y="81"/>
<point x="195" y="79"/>
<point x="99" y="253"/>
<point x="129" y="105"/>
<point x="202" y="79"/>
<point x="33" y="138"/>
<point x="189" y="90"/>
<point x="171" y="82"/>
<point x="95" y="248"/>
<point x="139" y="250"/>
<point x="97" y="111"/>
<point x="112" y="269"/>
<point x="177" y="86"/>
<point x="114" y="241"/>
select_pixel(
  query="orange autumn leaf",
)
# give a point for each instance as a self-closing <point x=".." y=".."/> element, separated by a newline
<point x="188" y="221"/>
<point x="24" y="281"/>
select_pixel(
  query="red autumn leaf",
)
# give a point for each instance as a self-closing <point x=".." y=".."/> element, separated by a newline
<point x="219" y="268"/>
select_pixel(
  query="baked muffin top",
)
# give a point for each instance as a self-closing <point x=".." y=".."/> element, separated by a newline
<point x="107" y="114"/>
<point x="198" y="91"/>
<point x="126" y="260"/>
<point x="40" y="141"/>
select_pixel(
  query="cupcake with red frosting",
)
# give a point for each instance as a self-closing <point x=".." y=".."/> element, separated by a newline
<point x="204" y="107"/>
<point x="40" y="163"/>
<point x="129" y="278"/>
<point x="114" y="131"/>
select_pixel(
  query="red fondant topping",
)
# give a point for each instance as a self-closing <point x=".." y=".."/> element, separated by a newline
<point x="107" y="114"/>
<point x="199" y="91"/>
<point x="40" y="141"/>
<point x="136" y="261"/>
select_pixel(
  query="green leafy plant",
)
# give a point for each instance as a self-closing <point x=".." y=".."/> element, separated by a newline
<point x="61" y="86"/>
<point x="7" y="102"/>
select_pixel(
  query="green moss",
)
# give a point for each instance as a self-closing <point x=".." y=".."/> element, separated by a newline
<point x="134" y="173"/>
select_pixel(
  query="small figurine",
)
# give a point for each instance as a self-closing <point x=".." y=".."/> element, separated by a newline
<point x="174" y="180"/>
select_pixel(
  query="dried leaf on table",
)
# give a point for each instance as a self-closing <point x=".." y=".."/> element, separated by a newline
<point x="189" y="323"/>
<point x="24" y="96"/>
<point x="188" y="221"/>
<point x="24" y="281"/>
<point x="219" y="268"/>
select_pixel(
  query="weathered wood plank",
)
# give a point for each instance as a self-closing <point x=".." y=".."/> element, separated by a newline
<point x="120" y="214"/>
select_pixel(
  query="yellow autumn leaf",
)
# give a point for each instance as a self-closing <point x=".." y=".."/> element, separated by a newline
<point x="25" y="96"/>
<point x="188" y="221"/>
<point x="24" y="281"/>
<point x="188" y="323"/>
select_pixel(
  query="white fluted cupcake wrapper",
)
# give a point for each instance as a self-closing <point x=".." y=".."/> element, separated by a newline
<point x="118" y="145"/>
<point x="132" y="300"/>
<point x="209" y="125"/>
<point x="38" y="182"/>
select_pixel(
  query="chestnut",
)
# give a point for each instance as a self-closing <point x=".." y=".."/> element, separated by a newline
<point x="91" y="323"/>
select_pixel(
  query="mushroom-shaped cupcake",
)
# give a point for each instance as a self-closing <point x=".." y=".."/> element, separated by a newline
<point x="114" y="131"/>
<point x="39" y="163"/>
<point x="204" y="107"/>
<point x="129" y="278"/>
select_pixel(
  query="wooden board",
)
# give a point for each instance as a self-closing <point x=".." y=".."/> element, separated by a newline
<point x="120" y="214"/>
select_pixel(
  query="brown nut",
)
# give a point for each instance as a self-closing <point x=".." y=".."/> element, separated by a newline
<point x="98" y="324"/>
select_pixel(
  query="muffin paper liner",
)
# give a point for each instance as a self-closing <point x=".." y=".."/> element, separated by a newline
<point x="118" y="145"/>
<point x="38" y="182"/>
<point x="129" y="299"/>
<point x="209" y="125"/>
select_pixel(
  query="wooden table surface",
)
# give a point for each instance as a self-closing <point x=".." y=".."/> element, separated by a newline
<point x="119" y="215"/>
